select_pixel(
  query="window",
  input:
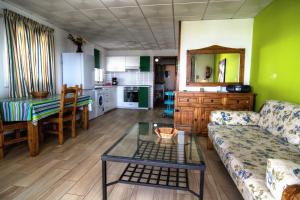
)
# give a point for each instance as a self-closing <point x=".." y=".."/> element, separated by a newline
<point x="99" y="73"/>
<point x="3" y="56"/>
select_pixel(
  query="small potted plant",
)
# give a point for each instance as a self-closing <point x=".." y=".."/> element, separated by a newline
<point x="79" y="41"/>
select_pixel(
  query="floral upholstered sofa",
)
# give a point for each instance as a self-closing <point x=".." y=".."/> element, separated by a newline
<point x="261" y="151"/>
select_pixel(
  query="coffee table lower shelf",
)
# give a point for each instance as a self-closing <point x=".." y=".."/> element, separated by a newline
<point x="153" y="176"/>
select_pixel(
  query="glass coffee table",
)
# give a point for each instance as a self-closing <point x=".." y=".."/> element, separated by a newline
<point x="152" y="161"/>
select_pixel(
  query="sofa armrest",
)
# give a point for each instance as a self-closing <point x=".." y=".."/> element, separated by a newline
<point x="280" y="174"/>
<point x="234" y="118"/>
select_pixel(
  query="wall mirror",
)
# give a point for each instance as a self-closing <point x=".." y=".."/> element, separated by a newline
<point x="215" y="66"/>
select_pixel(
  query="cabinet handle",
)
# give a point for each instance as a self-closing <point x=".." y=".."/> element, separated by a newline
<point x="188" y="100"/>
<point x="238" y="101"/>
<point x="212" y="100"/>
<point x="195" y="120"/>
<point x="176" y="110"/>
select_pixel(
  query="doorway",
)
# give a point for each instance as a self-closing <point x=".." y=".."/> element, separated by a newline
<point x="165" y="74"/>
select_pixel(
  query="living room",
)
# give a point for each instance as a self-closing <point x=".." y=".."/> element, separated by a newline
<point x="229" y="130"/>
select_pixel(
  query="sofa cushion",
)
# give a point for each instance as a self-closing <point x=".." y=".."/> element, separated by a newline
<point x="280" y="174"/>
<point x="245" y="150"/>
<point x="292" y="127"/>
<point x="274" y="115"/>
<point x="225" y="117"/>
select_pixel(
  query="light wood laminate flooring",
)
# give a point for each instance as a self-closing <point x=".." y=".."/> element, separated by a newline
<point x="72" y="171"/>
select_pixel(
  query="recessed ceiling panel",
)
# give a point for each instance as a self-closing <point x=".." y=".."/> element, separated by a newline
<point x="222" y="9"/>
<point x="70" y="17"/>
<point x="189" y="9"/>
<point x="139" y="22"/>
<point x="119" y="3"/>
<point x="158" y="11"/>
<point x="106" y="22"/>
<point x="99" y="14"/>
<point x="85" y="4"/>
<point x="190" y="1"/>
<point x="154" y="2"/>
<point x="127" y="12"/>
<point x="135" y="24"/>
<point x="251" y="7"/>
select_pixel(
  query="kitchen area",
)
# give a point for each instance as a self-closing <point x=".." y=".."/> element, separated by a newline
<point x="124" y="82"/>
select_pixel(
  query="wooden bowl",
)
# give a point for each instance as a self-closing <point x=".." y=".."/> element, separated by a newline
<point x="39" y="94"/>
<point x="166" y="132"/>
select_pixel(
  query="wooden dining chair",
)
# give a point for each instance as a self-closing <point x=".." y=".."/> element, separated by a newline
<point x="67" y="114"/>
<point x="79" y="110"/>
<point x="11" y="128"/>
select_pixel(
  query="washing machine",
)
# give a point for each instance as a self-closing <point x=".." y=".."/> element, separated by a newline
<point x="99" y="102"/>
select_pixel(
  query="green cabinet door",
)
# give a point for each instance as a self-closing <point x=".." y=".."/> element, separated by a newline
<point x="145" y="63"/>
<point x="97" y="58"/>
<point x="143" y="97"/>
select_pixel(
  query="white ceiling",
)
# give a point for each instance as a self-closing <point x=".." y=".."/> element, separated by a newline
<point x="136" y="24"/>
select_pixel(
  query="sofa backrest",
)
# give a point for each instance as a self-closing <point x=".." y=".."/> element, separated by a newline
<point x="282" y="119"/>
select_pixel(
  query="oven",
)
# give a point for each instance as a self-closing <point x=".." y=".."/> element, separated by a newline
<point x="131" y="94"/>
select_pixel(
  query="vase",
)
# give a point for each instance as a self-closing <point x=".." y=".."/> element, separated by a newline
<point x="79" y="49"/>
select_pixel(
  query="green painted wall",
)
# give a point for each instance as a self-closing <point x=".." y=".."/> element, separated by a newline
<point x="275" y="70"/>
<point x="232" y="67"/>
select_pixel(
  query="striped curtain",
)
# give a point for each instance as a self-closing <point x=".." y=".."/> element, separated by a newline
<point x="31" y="55"/>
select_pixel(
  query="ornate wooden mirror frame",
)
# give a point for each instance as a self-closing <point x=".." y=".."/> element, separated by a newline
<point x="214" y="50"/>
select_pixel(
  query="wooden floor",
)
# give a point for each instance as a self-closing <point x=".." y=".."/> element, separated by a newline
<point x="73" y="171"/>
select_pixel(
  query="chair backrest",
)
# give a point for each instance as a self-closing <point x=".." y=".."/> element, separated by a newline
<point x="68" y="100"/>
<point x="1" y="124"/>
<point x="80" y="90"/>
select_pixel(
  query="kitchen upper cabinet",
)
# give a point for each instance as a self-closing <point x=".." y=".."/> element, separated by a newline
<point x="122" y="63"/>
<point x="115" y="63"/>
<point x="132" y="62"/>
<point x="145" y="63"/>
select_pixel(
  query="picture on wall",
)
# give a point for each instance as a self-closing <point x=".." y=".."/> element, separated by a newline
<point x="222" y="70"/>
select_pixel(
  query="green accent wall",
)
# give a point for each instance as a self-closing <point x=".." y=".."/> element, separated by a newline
<point x="232" y="67"/>
<point x="275" y="70"/>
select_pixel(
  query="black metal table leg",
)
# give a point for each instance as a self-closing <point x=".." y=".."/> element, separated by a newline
<point x="104" y="181"/>
<point x="201" y="184"/>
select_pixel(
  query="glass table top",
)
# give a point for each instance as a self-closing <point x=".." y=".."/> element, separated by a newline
<point x="141" y="143"/>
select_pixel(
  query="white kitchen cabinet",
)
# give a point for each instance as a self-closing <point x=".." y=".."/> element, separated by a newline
<point x="132" y="62"/>
<point x="115" y="63"/>
<point x="110" y="98"/>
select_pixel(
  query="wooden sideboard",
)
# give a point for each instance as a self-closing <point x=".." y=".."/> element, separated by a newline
<point x="192" y="109"/>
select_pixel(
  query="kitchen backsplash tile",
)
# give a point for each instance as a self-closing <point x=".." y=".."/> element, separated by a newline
<point x="131" y="78"/>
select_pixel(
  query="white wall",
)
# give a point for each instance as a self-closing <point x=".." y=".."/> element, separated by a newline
<point x="134" y="77"/>
<point x="234" y="33"/>
<point x="62" y="44"/>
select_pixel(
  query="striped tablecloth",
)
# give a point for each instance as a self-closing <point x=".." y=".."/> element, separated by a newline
<point x="31" y="109"/>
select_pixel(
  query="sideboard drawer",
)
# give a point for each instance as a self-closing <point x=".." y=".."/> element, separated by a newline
<point x="212" y="100"/>
<point x="186" y="100"/>
<point x="237" y="101"/>
<point x="192" y="109"/>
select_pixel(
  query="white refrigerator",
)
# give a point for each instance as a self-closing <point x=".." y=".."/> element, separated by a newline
<point x="79" y="68"/>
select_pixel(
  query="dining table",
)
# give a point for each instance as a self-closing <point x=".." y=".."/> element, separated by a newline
<point x="32" y="110"/>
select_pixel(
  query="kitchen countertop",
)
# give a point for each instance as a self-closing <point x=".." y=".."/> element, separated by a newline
<point x="102" y="86"/>
<point x="135" y="85"/>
